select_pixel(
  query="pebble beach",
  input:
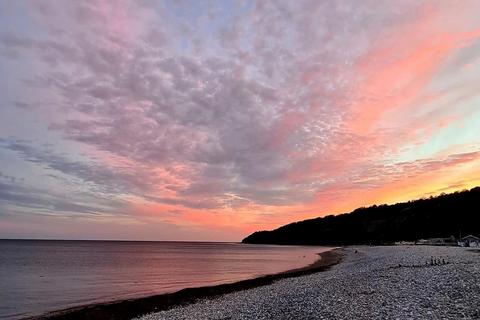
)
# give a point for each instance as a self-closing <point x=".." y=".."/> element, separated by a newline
<point x="391" y="282"/>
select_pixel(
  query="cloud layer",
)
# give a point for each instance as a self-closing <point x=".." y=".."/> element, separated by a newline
<point x="234" y="116"/>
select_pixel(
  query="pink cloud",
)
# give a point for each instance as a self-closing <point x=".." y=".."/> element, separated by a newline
<point x="393" y="78"/>
<point x="288" y="111"/>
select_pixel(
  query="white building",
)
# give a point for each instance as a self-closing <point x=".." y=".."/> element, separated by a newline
<point x="469" y="241"/>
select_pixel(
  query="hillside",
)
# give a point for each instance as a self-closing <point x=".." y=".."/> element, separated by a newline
<point x="442" y="216"/>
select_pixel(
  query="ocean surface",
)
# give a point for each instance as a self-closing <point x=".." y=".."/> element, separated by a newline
<point x="41" y="276"/>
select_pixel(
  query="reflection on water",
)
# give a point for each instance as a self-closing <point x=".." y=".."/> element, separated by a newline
<point x="41" y="276"/>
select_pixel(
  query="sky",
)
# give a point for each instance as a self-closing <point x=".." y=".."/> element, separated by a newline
<point x="208" y="120"/>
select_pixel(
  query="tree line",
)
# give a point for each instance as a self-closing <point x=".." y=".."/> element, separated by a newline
<point x="456" y="214"/>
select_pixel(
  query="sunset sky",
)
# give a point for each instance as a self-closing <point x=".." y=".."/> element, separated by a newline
<point x="208" y="120"/>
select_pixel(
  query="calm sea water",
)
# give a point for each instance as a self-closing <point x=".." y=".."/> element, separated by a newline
<point x="42" y="276"/>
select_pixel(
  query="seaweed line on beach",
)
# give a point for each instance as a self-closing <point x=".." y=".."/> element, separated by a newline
<point x="128" y="309"/>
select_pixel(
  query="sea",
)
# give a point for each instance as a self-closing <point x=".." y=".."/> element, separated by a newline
<point x="40" y="276"/>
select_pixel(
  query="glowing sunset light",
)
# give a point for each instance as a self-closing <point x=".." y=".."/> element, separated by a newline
<point x="193" y="120"/>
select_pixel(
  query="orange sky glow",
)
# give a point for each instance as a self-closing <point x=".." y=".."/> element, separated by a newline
<point x="209" y="121"/>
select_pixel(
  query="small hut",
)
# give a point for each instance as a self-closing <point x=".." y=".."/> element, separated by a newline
<point x="469" y="241"/>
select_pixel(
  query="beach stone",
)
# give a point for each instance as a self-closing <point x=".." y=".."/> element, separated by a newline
<point x="371" y="283"/>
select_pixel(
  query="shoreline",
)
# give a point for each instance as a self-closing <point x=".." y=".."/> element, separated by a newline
<point x="130" y="308"/>
<point x="371" y="283"/>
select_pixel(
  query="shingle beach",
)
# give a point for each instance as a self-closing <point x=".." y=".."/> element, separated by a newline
<point x="395" y="282"/>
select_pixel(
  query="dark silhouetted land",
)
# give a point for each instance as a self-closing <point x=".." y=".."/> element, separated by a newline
<point x="448" y="215"/>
